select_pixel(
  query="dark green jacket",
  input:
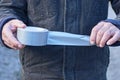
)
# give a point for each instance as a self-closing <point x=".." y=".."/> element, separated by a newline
<point x="74" y="16"/>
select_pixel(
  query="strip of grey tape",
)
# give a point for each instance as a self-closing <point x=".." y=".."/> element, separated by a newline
<point x="34" y="36"/>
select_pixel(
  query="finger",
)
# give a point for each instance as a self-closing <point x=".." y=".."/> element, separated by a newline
<point x="20" y="46"/>
<point x="13" y="46"/>
<point x="9" y="37"/>
<point x="101" y="32"/>
<point x="10" y="45"/>
<point x="115" y="38"/>
<point x="107" y="35"/>
<point x="17" y="24"/>
<point x="94" y="32"/>
<point x="14" y="24"/>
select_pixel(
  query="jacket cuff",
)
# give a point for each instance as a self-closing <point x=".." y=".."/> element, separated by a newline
<point x="114" y="22"/>
<point x="2" y="23"/>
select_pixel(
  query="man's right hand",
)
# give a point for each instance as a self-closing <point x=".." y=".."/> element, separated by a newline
<point x="9" y="33"/>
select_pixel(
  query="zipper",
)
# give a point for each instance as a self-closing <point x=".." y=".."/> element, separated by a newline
<point x="65" y="9"/>
<point x="64" y="49"/>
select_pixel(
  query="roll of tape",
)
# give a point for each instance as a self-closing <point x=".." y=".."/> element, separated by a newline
<point x="34" y="36"/>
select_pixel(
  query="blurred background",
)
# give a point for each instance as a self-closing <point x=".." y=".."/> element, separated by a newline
<point x="10" y="68"/>
<point x="114" y="66"/>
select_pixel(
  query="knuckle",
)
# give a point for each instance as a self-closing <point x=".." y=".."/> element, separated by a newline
<point x="108" y="23"/>
<point x="102" y="22"/>
<point x="113" y="39"/>
<point x="118" y="32"/>
<point x="13" y="20"/>
<point x="100" y="33"/>
<point x="13" y="24"/>
<point x="107" y="33"/>
<point x="15" y="43"/>
<point x="12" y="45"/>
<point x="102" y="42"/>
<point x="107" y="26"/>
<point x="94" y="30"/>
<point x="3" y="32"/>
<point x="112" y="28"/>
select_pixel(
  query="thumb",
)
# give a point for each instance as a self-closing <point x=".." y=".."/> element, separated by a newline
<point x="14" y="24"/>
<point x="17" y="24"/>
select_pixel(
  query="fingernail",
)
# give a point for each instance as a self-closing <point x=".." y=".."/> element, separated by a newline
<point x="23" y="25"/>
<point x="92" y="42"/>
<point x="108" y="43"/>
<point x="101" y="45"/>
<point x="19" y="46"/>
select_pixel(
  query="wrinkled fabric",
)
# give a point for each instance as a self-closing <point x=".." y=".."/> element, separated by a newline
<point x="73" y="16"/>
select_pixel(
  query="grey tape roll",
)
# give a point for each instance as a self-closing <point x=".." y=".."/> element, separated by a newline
<point x="32" y="36"/>
<point x="35" y="36"/>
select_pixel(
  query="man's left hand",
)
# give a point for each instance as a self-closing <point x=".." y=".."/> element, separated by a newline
<point x="104" y="33"/>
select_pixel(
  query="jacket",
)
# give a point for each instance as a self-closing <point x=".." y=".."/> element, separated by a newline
<point x="73" y="16"/>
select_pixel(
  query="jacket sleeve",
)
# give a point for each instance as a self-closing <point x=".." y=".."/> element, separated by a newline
<point x="12" y="9"/>
<point x="116" y="8"/>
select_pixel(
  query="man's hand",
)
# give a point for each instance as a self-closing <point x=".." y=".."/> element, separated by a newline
<point x="9" y="33"/>
<point x="104" y="33"/>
